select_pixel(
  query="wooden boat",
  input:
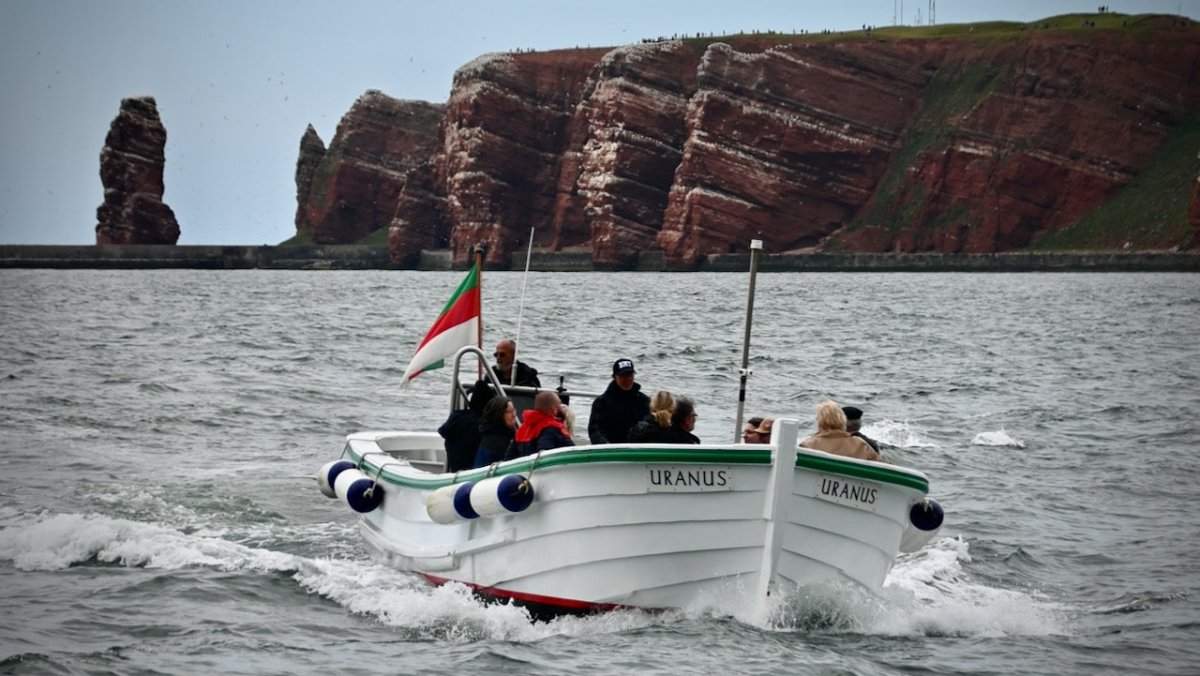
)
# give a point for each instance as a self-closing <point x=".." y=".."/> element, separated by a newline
<point x="590" y="528"/>
<point x="598" y="527"/>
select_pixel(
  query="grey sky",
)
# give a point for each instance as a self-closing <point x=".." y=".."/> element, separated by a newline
<point x="237" y="82"/>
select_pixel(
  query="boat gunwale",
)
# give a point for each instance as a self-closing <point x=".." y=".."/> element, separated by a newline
<point x="640" y="453"/>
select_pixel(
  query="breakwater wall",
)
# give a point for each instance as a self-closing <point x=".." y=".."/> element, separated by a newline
<point x="355" y="257"/>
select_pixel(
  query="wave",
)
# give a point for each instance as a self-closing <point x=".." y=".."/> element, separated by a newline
<point x="930" y="593"/>
<point x="901" y="434"/>
<point x="927" y="593"/>
<point x="997" y="438"/>
<point x="1136" y="603"/>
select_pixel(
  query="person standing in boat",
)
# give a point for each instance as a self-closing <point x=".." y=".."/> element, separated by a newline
<point x="854" y="416"/>
<point x="496" y="428"/>
<point x="621" y="406"/>
<point x="461" y="429"/>
<point x="541" y="430"/>
<point x="506" y="357"/>
<point x="832" y="436"/>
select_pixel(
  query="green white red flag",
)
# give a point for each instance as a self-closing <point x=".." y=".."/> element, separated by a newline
<point x="456" y="326"/>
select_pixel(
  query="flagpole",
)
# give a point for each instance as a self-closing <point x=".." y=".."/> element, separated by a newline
<point x="479" y="251"/>
<point x="755" y="248"/>
<point x="521" y="309"/>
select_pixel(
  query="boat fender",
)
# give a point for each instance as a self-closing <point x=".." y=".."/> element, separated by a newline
<point x="329" y="473"/>
<point x="451" y="503"/>
<point x="502" y="495"/>
<point x="924" y="521"/>
<point x="358" y="491"/>
<point x="926" y="515"/>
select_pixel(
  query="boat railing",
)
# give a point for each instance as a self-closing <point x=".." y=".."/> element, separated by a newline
<point x="521" y="394"/>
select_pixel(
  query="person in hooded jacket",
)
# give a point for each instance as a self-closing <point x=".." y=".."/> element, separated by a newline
<point x="621" y="406"/>
<point x="461" y="429"/>
<point x="496" y="428"/>
<point x="541" y="430"/>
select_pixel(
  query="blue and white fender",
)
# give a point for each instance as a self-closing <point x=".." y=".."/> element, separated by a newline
<point x="502" y="495"/>
<point x="924" y="521"/>
<point x="329" y="473"/>
<point x="357" y="490"/>
<point x="451" y="503"/>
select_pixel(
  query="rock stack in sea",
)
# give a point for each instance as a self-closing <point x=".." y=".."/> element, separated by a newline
<point x="131" y="170"/>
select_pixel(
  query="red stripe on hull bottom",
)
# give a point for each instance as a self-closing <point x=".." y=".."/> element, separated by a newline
<point x="541" y="607"/>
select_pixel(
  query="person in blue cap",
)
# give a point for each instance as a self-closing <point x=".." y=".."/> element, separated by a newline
<point x="621" y="406"/>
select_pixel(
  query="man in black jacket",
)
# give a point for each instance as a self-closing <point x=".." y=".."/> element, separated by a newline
<point x="505" y="354"/>
<point x="854" y="416"/>
<point x="620" y="407"/>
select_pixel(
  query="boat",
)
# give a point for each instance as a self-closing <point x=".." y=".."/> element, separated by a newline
<point x="595" y="528"/>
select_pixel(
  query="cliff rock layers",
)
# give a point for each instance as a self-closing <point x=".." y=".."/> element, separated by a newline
<point x="351" y="190"/>
<point x="131" y="171"/>
<point x="973" y="143"/>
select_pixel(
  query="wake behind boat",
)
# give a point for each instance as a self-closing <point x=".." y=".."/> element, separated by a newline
<point x="599" y="527"/>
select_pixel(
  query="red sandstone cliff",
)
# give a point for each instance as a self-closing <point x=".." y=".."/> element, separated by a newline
<point x="353" y="187"/>
<point x="131" y="170"/>
<point x="967" y="143"/>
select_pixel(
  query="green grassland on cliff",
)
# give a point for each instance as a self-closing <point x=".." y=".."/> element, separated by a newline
<point x="1139" y="25"/>
<point x="1150" y="212"/>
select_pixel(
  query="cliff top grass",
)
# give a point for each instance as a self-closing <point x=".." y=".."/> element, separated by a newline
<point x="1149" y="213"/>
<point x="1139" y="25"/>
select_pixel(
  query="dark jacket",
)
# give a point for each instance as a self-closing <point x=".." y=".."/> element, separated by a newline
<point x="461" y="432"/>
<point x="615" y="412"/>
<point x="539" y="432"/>
<point x="527" y="376"/>
<point x="494" y="439"/>
<point x="648" y="431"/>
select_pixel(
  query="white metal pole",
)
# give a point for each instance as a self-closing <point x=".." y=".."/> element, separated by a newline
<point x="512" y="377"/>
<point x="756" y="246"/>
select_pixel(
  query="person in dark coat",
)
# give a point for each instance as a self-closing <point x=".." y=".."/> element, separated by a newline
<point x="542" y="429"/>
<point x="621" y="406"/>
<point x="657" y="423"/>
<point x="461" y="429"/>
<point x="680" y="419"/>
<point x="496" y="428"/>
<point x="854" y="416"/>
<point x="683" y="421"/>
<point x="506" y="356"/>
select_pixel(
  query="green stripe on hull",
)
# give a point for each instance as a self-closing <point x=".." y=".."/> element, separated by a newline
<point x="655" y="456"/>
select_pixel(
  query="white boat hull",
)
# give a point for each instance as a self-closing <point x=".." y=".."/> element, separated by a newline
<point x="650" y="526"/>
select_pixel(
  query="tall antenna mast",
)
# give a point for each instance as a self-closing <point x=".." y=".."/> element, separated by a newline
<point x="932" y="12"/>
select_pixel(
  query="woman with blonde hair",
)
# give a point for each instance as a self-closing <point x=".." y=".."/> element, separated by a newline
<point x="653" y="427"/>
<point x="567" y="416"/>
<point x="832" y="436"/>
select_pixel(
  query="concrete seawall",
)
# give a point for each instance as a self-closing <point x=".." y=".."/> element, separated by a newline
<point x="354" y="257"/>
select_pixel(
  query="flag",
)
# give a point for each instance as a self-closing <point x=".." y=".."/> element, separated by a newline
<point x="456" y="326"/>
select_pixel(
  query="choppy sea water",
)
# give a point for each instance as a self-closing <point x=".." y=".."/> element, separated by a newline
<point x="159" y="431"/>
